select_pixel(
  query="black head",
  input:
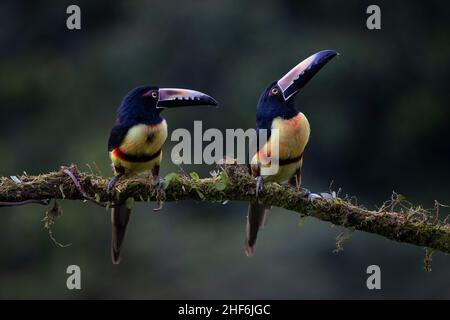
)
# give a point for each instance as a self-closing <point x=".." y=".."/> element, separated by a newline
<point x="272" y="104"/>
<point x="278" y="98"/>
<point x="144" y="104"/>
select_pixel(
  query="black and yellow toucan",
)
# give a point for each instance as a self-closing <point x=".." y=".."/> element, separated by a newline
<point x="136" y="140"/>
<point x="276" y="110"/>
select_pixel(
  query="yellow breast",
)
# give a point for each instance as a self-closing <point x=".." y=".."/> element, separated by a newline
<point x="293" y="136"/>
<point x="144" y="139"/>
<point x="141" y="140"/>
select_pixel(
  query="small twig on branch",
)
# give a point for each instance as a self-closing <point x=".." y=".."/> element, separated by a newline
<point x="24" y="202"/>
<point x="408" y="224"/>
<point x="70" y="172"/>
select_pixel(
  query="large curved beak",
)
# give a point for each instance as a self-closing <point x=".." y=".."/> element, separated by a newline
<point x="173" y="97"/>
<point x="300" y="75"/>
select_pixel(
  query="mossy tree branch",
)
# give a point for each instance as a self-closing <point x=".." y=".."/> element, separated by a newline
<point x="408" y="224"/>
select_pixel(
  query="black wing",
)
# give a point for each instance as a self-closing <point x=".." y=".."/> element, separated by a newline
<point x="118" y="133"/>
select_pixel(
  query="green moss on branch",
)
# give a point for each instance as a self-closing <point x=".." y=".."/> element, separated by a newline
<point x="234" y="183"/>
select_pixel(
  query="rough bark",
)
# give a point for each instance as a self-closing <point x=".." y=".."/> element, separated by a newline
<point x="232" y="183"/>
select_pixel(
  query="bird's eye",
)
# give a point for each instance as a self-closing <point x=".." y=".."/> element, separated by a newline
<point x="274" y="91"/>
<point x="154" y="95"/>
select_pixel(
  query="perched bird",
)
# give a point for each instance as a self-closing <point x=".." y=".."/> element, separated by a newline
<point x="276" y="110"/>
<point x="136" y="140"/>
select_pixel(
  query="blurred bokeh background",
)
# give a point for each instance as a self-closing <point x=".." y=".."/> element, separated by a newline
<point x="379" y="116"/>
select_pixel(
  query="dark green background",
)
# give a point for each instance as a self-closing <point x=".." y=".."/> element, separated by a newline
<point x="379" y="115"/>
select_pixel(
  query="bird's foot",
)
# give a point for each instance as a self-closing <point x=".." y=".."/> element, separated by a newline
<point x="111" y="184"/>
<point x="311" y="197"/>
<point x="158" y="184"/>
<point x="259" y="186"/>
<point x="308" y="195"/>
<point x="305" y="191"/>
<point x="329" y="197"/>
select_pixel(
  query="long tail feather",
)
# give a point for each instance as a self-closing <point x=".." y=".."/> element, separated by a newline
<point x="256" y="218"/>
<point x="119" y="220"/>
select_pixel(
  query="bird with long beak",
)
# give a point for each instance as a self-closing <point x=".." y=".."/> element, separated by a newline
<point x="276" y="110"/>
<point x="136" y="140"/>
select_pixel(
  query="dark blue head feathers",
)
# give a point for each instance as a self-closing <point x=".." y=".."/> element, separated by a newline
<point x="271" y="104"/>
<point x="139" y="106"/>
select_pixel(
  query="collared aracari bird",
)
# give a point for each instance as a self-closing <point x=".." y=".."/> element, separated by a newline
<point x="136" y="140"/>
<point x="276" y="110"/>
